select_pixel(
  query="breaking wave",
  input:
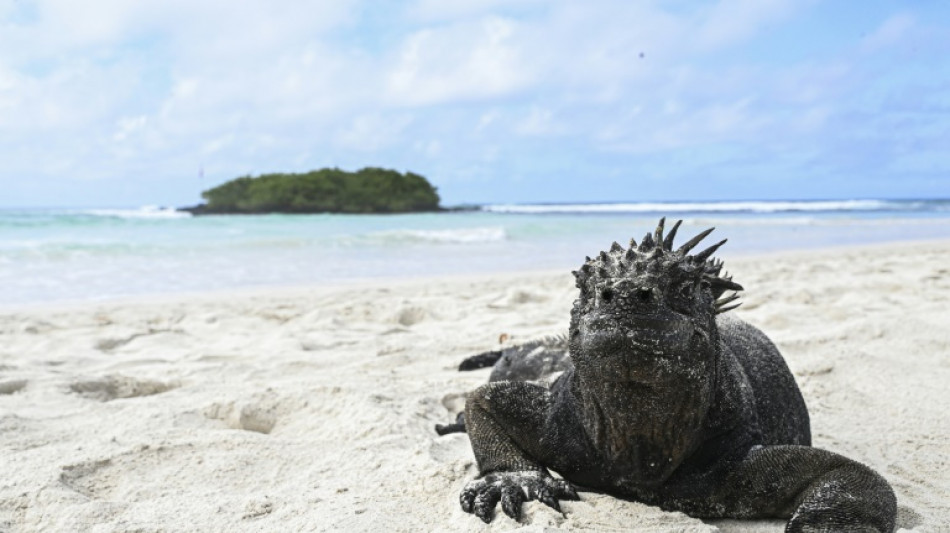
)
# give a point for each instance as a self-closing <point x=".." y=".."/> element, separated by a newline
<point x="715" y="207"/>
<point x="443" y="236"/>
<point x="148" y="211"/>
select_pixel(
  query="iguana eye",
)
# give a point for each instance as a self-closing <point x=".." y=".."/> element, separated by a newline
<point x="686" y="290"/>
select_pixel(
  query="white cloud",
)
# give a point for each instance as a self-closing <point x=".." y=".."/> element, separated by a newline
<point x="463" y="61"/>
<point x="217" y="144"/>
<point x="111" y="88"/>
<point x="540" y="121"/>
<point x="430" y="148"/>
<point x="441" y="10"/>
<point x="487" y="119"/>
<point x="127" y="126"/>
<point x="370" y="132"/>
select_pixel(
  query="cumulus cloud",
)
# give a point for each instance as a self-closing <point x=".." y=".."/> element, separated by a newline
<point x="457" y="62"/>
<point x="140" y="95"/>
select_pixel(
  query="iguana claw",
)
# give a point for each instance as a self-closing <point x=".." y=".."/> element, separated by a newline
<point x="513" y="489"/>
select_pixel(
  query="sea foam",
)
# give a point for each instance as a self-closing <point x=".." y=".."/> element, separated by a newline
<point x="701" y="207"/>
<point x="458" y="235"/>
<point x="148" y="211"/>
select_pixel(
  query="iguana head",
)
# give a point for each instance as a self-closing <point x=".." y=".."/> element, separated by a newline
<point x="647" y="313"/>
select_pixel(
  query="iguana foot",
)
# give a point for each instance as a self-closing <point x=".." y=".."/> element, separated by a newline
<point x="824" y="492"/>
<point x="457" y="427"/>
<point x="836" y="515"/>
<point x="513" y="489"/>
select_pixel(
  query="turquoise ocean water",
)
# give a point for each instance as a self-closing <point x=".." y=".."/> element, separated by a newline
<point x="49" y="255"/>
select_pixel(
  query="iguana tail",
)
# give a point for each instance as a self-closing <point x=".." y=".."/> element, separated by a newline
<point x="482" y="360"/>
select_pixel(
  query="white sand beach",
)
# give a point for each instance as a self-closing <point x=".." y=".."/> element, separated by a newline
<point x="313" y="409"/>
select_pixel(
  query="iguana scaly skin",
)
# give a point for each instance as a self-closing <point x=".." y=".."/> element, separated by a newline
<point x="661" y="401"/>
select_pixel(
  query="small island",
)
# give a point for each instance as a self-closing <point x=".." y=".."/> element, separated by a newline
<point x="328" y="190"/>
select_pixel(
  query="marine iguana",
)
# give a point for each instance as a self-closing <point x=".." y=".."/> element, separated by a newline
<point x="662" y="400"/>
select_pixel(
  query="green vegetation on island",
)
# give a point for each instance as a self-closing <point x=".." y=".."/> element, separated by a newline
<point x="328" y="190"/>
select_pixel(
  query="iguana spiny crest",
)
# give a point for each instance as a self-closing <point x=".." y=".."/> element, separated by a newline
<point x="657" y="268"/>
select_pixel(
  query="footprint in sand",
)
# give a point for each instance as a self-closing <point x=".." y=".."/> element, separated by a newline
<point x="408" y="316"/>
<point x="907" y="517"/>
<point x="454" y="403"/>
<point x="319" y="343"/>
<point x="109" y="344"/>
<point x="249" y="417"/>
<point x="147" y="473"/>
<point x="454" y="447"/>
<point x="114" y="387"/>
<point x="517" y="297"/>
<point x="257" y="507"/>
<point x="12" y="386"/>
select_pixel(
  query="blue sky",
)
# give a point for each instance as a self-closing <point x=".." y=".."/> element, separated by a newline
<point x="118" y="103"/>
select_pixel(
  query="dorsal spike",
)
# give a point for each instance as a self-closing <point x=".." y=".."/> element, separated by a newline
<point x="702" y="256"/>
<point x="723" y="301"/>
<point x="615" y="247"/>
<point x="722" y="310"/>
<point x="631" y="254"/>
<point x="668" y="241"/>
<point x="658" y="235"/>
<point x="724" y="284"/>
<point x="633" y="243"/>
<point x="586" y="268"/>
<point x="688" y="245"/>
<point x="647" y="242"/>
<point x="713" y="267"/>
<point x="604" y="257"/>
<point x="587" y="258"/>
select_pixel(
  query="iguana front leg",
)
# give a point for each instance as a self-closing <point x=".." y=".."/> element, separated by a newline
<point x="505" y="421"/>
<point x="819" y="491"/>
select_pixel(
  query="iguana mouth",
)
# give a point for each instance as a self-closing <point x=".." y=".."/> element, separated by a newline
<point x="653" y="335"/>
<point x="653" y="344"/>
<point x="636" y="321"/>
